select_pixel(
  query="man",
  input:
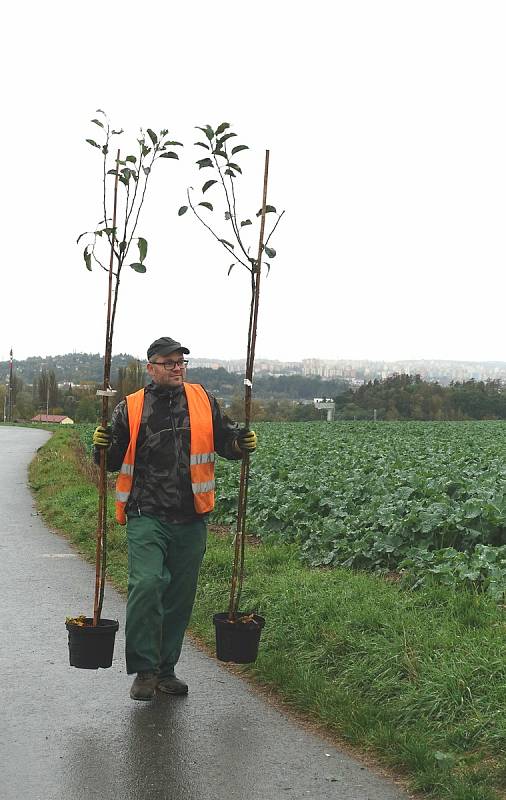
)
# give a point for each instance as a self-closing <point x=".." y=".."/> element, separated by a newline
<point x="163" y="439"/>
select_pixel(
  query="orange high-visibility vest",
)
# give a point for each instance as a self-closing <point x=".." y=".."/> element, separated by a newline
<point x="201" y="450"/>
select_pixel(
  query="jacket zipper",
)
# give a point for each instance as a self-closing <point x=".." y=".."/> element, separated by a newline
<point x="178" y="452"/>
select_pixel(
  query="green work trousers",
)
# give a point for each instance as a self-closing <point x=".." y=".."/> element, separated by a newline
<point x="163" y="568"/>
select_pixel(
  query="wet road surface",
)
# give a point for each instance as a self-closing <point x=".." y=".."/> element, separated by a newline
<point x="71" y="734"/>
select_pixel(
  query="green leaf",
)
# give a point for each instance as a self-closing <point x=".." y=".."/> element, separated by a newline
<point x="133" y="159"/>
<point x="230" y="172"/>
<point x="238" y="148"/>
<point x="202" y="144"/>
<point x="112" y="172"/>
<point x="143" y="248"/>
<point x="164" y="132"/>
<point x="105" y="149"/>
<point x="97" y="122"/>
<point x="224" y="138"/>
<point x="145" y="150"/>
<point x="246" y="222"/>
<point x="228" y="215"/>
<point x="236" y="167"/>
<point x="268" y="267"/>
<point x="207" y="205"/>
<point x="90" y="141"/>
<point x="117" y="133"/>
<point x="205" y="162"/>
<point x="224" y="241"/>
<point x="207" y="185"/>
<point x="122" y="246"/>
<point x="175" y="144"/>
<point x="268" y="210"/>
<point x="182" y="211"/>
<point x="146" y="170"/>
<point x="222" y="127"/>
<point x="152" y="135"/>
<point x="99" y="111"/>
<point x="270" y="252"/>
<point x="81" y="236"/>
<point x="123" y="180"/>
<point x="169" y="154"/>
<point x="126" y="173"/>
<point x="220" y="153"/>
<point x="207" y="130"/>
<point x="138" y="267"/>
<point x="230" y="268"/>
<point x="87" y="258"/>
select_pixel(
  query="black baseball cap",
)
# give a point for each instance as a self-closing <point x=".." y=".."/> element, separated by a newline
<point x="164" y="347"/>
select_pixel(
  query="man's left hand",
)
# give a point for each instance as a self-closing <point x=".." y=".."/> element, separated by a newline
<point x="246" y="441"/>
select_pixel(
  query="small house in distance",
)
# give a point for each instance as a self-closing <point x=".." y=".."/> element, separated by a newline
<point x="55" y="419"/>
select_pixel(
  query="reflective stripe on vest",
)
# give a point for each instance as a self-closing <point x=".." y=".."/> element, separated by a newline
<point x="201" y="450"/>
<point x="202" y="458"/>
<point x="127" y="469"/>
<point x="199" y="488"/>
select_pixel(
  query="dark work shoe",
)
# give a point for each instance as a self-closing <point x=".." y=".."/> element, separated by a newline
<point x="143" y="687"/>
<point x="172" y="685"/>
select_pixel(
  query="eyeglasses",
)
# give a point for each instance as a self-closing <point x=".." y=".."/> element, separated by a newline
<point x="168" y="365"/>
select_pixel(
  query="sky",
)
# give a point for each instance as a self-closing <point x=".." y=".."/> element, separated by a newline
<point x="386" y="126"/>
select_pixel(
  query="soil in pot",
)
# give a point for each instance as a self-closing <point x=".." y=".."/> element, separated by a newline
<point x="91" y="646"/>
<point x="237" y="640"/>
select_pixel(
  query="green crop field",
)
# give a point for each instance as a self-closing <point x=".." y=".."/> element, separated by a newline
<point x="426" y="499"/>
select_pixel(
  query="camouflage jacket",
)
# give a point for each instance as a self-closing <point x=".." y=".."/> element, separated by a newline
<point x="162" y="484"/>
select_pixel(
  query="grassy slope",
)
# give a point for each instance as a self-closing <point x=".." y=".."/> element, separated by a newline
<point x="418" y="679"/>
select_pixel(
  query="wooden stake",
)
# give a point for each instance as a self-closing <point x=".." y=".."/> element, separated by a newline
<point x="240" y="536"/>
<point x="101" y="548"/>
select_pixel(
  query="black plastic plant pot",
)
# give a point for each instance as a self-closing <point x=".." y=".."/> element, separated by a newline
<point x="92" y="647"/>
<point x="238" y="641"/>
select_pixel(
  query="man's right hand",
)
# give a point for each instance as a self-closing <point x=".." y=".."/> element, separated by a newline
<point x="102" y="437"/>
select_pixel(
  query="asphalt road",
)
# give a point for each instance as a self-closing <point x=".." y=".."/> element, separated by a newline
<point x="71" y="734"/>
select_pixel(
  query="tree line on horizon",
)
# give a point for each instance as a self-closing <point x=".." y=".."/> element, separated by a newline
<point x="408" y="397"/>
<point x="277" y="398"/>
<point x="283" y="397"/>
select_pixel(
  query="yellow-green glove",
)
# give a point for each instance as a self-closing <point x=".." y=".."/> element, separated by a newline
<point x="246" y="441"/>
<point x="102" y="437"/>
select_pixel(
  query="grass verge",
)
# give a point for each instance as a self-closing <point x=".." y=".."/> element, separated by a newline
<point x="415" y="679"/>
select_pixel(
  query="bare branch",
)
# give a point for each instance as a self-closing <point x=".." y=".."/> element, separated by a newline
<point x="105" y="169"/>
<point x="274" y="228"/>
<point x="98" y="262"/>
<point x="227" y="248"/>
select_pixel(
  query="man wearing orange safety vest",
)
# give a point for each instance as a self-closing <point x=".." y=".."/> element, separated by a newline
<point x="163" y="440"/>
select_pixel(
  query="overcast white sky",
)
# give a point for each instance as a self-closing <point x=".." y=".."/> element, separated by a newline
<point x="386" y="123"/>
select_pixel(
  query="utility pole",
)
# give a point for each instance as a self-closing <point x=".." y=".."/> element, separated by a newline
<point x="5" y="397"/>
<point x="10" y="387"/>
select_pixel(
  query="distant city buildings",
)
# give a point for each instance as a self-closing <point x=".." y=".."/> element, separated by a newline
<point x="360" y="371"/>
<point x="77" y="368"/>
